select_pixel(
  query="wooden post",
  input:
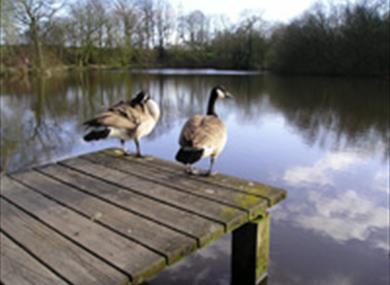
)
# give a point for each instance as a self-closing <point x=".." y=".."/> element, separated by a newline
<point x="250" y="251"/>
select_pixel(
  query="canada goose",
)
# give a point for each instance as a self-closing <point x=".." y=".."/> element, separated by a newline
<point x="125" y="120"/>
<point x="203" y="136"/>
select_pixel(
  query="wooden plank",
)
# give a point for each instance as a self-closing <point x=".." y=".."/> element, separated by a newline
<point x="230" y="217"/>
<point x="137" y="261"/>
<point x="272" y="194"/>
<point x="64" y="257"/>
<point x="202" y="229"/>
<point x="18" y="267"/>
<point x="171" y="244"/>
<point x="179" y="180"/>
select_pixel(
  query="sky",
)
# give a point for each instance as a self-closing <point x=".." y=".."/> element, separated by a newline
<point x="272" y="10"/>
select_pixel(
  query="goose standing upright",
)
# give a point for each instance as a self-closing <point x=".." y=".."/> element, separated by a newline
<point x="203" y="136"/>
<point x="126" y="120"/>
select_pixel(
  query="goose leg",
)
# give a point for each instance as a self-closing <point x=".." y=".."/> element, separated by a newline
<point x="137" y="145"/>
<point x="191" y="170"/>
<point x="210" y="171"/>
<point x="125" y="151"/>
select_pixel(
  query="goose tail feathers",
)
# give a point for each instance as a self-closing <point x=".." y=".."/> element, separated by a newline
<point x="96" y="135"/>
<point x="189" y="155"/>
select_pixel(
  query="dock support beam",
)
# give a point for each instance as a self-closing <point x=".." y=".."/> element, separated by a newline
<point x="250" y="251"/>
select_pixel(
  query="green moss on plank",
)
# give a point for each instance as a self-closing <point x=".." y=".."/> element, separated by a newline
<point x="263" y="241"/>
<point x="271" y="194"/>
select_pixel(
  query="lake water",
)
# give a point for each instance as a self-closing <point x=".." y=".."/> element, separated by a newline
<point x="325" y="140"/>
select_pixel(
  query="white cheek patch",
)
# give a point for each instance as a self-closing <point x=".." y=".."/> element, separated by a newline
<point x="220" y="93"/>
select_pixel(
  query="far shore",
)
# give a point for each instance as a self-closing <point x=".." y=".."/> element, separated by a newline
<point x="23" y="71"/>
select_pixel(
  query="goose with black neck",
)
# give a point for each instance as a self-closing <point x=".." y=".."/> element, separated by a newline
<point x="203" y="135"/>
<point x="126" y="120"/>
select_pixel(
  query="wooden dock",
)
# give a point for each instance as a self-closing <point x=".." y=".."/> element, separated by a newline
<point x="103" y="218"/>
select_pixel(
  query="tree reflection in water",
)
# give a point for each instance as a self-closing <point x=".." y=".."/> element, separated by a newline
<point x="41" y="117"/>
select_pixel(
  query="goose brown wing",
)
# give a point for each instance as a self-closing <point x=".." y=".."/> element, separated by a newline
<point x="120" y="115"/>
<point x="202" y="131"/>
<point x="113" y="119"/>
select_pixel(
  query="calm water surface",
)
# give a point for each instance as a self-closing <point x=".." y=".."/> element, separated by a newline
<point x="324" y="140"/>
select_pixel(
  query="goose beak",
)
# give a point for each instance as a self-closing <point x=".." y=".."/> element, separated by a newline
<point x="229" y="95"/>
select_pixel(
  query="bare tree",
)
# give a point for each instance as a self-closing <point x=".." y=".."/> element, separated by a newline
<point x="126" y="17"/>
<point x="197" y="28"/>
<point x="126" y="12"/>
<point x="147" y="26"/>
<point x="35" y="17"/>
<point x="164" y="24"/>
<point x="89" y="18"/>
<point x="8" y="28"/>
<point x="250" y="29"/>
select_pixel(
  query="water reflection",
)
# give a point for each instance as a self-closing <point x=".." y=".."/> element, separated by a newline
<point x="194" y="271"/>
<point x="336" y="113"/>
<point x="346" y="216"/>
<point x="322" y="171"/>
<point x="33" y="125"/>
<point x="41" y="118"/>
<point x="325" y="140"/>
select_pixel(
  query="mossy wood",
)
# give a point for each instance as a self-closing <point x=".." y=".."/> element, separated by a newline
<point x="105" y="218"/>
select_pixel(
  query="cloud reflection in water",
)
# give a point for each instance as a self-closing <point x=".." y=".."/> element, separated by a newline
<point x="341" y="214"/>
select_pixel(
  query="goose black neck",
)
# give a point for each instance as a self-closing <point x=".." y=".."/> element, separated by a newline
<point x="211" y="105"/>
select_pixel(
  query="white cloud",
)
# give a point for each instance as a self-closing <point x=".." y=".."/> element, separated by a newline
<point x="321" y="172"/>
<point x="340" y="160"/>
<point x="381" y="181"/>
<point x="336" y="280"/>
<point x="345" y="217"/>
<point x="216" y="256"/>
<point x="383" y="244"/>
<point x="306" y="175"/>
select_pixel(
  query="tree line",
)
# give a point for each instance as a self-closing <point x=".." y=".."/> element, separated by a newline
<point x="331" y="39"/>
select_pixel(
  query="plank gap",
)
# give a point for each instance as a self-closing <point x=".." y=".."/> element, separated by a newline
<point x="163" y="166"/>
<point x="116" y="204"/>
<point x="39" y="260"/>
<point x="150" y="197"/>
<point x="176" y="188"/>
<point x="128" y="275"/>
<point x="95" y="221"/>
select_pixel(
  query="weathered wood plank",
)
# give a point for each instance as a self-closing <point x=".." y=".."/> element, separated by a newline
<point x="167" y="242"/>
<point x="230" y="217"/>
<point x="202" y="229"/>
<point x="179" y="180"/>
<point x="18" y="267"/>
<point x="64" y="257"/>
<point x="137" y="261"/>
<point x="272" y="194"/>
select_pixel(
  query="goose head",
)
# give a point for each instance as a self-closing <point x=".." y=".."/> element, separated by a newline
<point x="218" y="92"/>
<point x="145" y="101"/>
<point x="221" y="92"/>
<point x="140" y="99"/>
